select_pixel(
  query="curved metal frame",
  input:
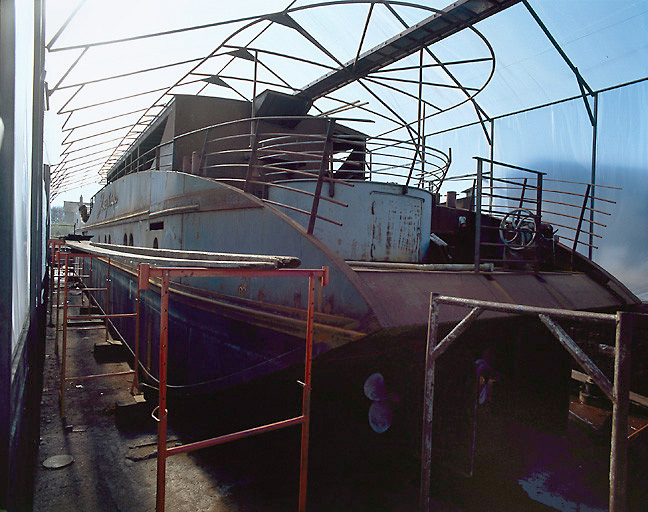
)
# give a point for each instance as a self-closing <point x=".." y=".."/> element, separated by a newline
<point x="414" y="136"/>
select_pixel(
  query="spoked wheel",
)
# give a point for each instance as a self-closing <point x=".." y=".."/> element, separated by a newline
<point x="518" y="229"/>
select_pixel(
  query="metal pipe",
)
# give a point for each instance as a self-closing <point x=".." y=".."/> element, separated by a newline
<point x="583" y="183"/>
<point x="99" y="375"/>
<point x="107" y="298"/>
<point x="301" y="211"/>
<point x="431" y="267"/>
<point x="162" y="393"/>
<point x="428" y="404"/>
<point x="580" y="195"/>
<point x="478" y="207"/>
<point x="305" y="433"/>
<point x="574" y="206"/>
<point x="510" y="166"/>
<point x="593" y="174"/>
<point x="113" y="315"/>
<point x="144" y="274"/>
<point x="135" y="383"/>
<point x="527" y="310"/>
<point x="58" y="298"/>
<point x="64" y="348"/>
<point x="579" y="355"/>
<point x="292" y="189"/>
<point x="458" y="330"/>
<point x="620" y="407"/>
<point x="578" y="228"/>
<point x="190" y="447"/>
<point x="320" y="177"/>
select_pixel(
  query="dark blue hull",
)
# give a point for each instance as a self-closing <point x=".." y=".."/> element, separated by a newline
<point x="208" y="350"/>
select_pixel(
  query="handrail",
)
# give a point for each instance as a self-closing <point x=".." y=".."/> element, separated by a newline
<point x="514" y="198"/>
<point x="254" y="152"/>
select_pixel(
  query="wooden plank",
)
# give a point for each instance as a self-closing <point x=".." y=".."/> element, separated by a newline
<point x="170" y="257"/>
<point x="252" y="264"/>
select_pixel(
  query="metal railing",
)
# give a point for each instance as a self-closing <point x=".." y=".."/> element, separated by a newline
<point x="516" y="214"/>
<point x="259" y="153"/>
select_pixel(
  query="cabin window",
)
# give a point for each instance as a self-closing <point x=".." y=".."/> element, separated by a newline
<point x="155" y="243"/>
<point x="156" y="225"/>
<point x="125" y="239"/>
<point x="105" y="239"/>
<point x="109" y="240"/>
<point x="130" y="239"/>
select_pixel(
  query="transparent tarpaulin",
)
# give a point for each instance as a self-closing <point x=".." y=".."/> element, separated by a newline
<point x="622" y="161"/>
<point x="606" y="40"/>
<point x="23" y="119"/>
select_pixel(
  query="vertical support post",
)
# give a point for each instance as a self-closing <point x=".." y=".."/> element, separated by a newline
<point x="162" y="398"/>
<point x="428" y="405"/>
<point x="135" y="383"/>
<point x="580" y="223"/>
<point x="64" y="347"/>
<point x="620" y="406"/>
<point x="539" y="199"/>
<point x="107" y="298"/>
<point x="51" y="287"/>
<point x="254" y="83"/>
<point x="203" y="159"/>
<point x="320" y="177"/>
<point x="303" y="467"/>
<point x="478" y="207"/>
<point x="491" y="183"/>
<point x="58" y="297"/>
<point x="419" y="115"/>
<point x="522" y="193"/>
<point x="254" y="125"/>
<point x="593" y="175"/>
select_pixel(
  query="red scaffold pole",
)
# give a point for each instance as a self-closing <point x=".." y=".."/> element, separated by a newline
<point x="303" y="468"/>
<point x="162" y="420"/>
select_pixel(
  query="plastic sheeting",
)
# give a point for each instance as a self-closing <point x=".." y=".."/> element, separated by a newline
<point x="622" y="161"/>
<point x="23" y="119"/>
<point x="605" y="40"/>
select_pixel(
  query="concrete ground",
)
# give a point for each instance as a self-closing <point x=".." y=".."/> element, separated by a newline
<point x="114" y="466"/>
<point x="114" y="451"/>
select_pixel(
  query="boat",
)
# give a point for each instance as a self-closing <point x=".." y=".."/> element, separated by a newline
<point x="270" y="177"/>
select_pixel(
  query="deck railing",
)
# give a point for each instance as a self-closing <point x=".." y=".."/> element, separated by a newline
<point x="258" y="153"/>
<point x="521" y="210"/>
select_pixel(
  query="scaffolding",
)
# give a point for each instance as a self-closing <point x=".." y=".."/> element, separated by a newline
<point x="617" y="391"/>
<point x="67" y="257"/>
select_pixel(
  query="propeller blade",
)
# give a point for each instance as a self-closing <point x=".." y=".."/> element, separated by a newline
<point x="375" y="388"/>
<point x="380" y="416"/>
